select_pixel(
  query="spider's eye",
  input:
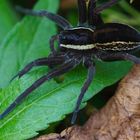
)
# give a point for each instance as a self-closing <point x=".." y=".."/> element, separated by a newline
<point x="64" y="37"/>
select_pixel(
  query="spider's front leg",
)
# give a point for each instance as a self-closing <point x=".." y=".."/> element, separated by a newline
<point x="119" y="56"/>
<point x="60" y="21"/>
<point x="47" y="61"/>
<point x="94" y="19"/>
<point x="89" y="79"/>
<point x="82" y="12"/>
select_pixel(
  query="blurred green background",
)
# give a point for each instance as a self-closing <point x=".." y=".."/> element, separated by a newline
<point x="124" y="12"/>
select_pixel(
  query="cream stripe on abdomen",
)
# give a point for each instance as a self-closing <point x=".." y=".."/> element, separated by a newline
<point x="118" y="45"/>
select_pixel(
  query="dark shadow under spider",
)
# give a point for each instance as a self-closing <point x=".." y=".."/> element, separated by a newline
<point x="91" y="39"/>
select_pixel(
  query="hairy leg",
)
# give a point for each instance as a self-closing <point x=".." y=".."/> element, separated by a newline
<point x="94" y="19"/>
<point x="82" y="12"/>
<point x="105" y="6"/>
<point x="119" y="56"/>
<point x="54" y="73"/>
<point x="60" y="21"/>
<point x="90" y="76"/>
<point x="47" y="61"/>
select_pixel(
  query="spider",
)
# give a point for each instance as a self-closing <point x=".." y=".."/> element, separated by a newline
<point x="91" y="39"/>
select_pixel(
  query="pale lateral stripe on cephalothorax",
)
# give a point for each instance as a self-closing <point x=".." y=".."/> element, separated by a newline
<point x="78" y="47"/>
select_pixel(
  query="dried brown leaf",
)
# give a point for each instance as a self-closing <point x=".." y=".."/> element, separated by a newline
<point x="118" y="120"/>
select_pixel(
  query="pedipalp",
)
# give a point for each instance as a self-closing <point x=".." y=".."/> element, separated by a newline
<point x="46" y="61"/>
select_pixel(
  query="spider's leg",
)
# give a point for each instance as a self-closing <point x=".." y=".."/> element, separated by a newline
<point x="94" y="19"/>
<point x="106" y="5"/>
<point x="56" y="60"/>
<point x="67" y="66"/>
<point x="52" y="40"/>
<point x="119" y="56"/>
<point x="60" y="21"/>
<point x="82" y="10"/>
<point x="90" y="76"/>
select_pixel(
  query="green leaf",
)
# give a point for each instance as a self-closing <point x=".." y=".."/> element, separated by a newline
<point x="123" y="17"/>
<point x="52" y="101"/>
<point x="7" y="18"/>
<point x="27" y="41"/>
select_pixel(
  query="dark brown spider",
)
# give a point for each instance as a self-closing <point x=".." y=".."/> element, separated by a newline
<point x="92" y="38"/>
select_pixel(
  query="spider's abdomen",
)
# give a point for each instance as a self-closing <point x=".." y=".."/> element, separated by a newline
<point x="116" y="37"/>
<point x="78" y="38"/>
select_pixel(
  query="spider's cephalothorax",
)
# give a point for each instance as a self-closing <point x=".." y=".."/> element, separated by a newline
<point x="77" y="38"/>
<point x="91" y="39"/>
